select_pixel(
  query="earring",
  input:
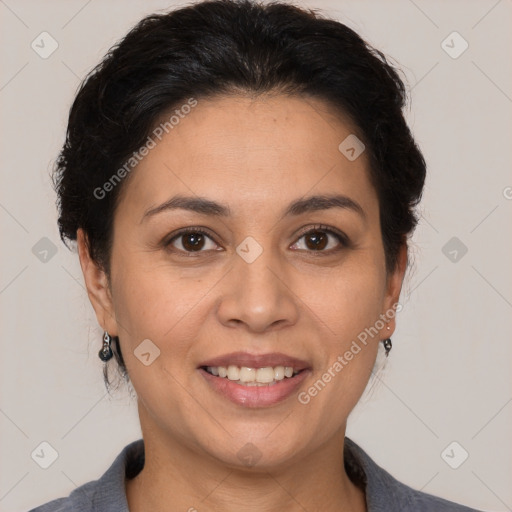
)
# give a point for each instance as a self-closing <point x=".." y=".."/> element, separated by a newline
<point x="106" y="352"/>
<point x="387" y="345"/>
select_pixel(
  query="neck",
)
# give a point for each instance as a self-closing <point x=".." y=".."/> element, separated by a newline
<point x="176" y="478"/>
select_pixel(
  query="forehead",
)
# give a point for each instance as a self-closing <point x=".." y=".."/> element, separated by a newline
<point x="247" y="151"/>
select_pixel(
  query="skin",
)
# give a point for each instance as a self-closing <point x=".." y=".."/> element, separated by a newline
<point x="256" y="156"/>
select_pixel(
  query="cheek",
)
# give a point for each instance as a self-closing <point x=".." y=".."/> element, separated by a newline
<point x="167" y="306"/>
<point x="150" y="297"/>
<point x="348" y="301"/>
<point x="347" y="310"/>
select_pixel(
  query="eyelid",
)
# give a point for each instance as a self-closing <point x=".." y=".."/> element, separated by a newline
<point x="328" y="229"/>
<point x="342" y="237"/>
<point x="183" y="231"/>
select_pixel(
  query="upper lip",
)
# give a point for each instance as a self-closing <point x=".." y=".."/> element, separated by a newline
<point x="257" y="360"/>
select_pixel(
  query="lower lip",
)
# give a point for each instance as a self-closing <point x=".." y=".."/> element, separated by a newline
<point x="254" y="396"/>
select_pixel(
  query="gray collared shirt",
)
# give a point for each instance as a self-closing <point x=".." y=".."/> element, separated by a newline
<point x="383" y="492"/>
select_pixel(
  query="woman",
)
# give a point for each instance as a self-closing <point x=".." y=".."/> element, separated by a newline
<point x="241" y="184"/>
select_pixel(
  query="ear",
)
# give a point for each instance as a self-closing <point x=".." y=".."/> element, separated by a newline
<point x="393" y="288"/>
<point x="97" y="286"/>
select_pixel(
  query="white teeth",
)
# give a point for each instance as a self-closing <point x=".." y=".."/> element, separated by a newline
<point x="247" y="374"/>
<point x="233" y="372"/>
<point x="253" y="376"/>
<point x="265" y="375"/>
<point x="279" y="373"/>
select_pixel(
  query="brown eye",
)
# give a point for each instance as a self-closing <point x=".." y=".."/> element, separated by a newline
<point x="191" y="241"/>
<point x="318" y="238"/>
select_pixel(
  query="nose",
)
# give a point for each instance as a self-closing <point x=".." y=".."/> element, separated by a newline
<point x="258" y="294"/>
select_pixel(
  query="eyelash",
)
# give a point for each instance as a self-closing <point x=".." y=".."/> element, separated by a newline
<point x="341" y="237"/>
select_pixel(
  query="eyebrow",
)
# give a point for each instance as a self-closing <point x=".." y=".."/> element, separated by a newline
<point x="206" y="206"/>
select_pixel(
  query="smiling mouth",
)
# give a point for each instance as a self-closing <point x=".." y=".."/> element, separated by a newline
<point x="245" y="376"/>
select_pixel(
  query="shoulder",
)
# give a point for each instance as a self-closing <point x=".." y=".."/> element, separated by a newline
<point x="384" y="492"/>
<point x="80" y="500"/>
<point x="106" y="493"/>
<point x="422" y="502"/>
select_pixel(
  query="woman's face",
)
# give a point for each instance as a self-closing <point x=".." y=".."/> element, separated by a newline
<point x="255" y="284"/>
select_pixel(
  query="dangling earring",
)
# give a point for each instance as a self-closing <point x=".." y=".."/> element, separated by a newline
<point x="106" y="352"/>
<point x="387" y="343"/>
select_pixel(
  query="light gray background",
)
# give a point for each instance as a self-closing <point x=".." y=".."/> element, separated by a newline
<point x="448" y="375"/>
